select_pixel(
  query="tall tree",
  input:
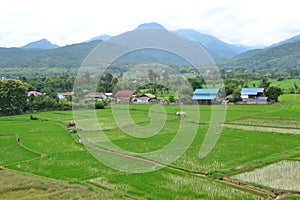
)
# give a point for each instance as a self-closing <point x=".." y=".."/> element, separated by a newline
<point x="274" y="92"/>
<point x="13" y="96"/>
<point x="265" y="83"/>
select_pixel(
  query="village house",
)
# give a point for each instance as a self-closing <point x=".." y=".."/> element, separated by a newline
<point x="206" y="96"/>
<point x="95" y="96"/>
<point x="253" y="96"/>
<point x="146" y="98"/>
<point x="62" y="96"/>
<point x="124" y="96"/>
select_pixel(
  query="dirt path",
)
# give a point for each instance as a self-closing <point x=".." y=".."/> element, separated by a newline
<point x="39" y="155"/>
<point x="271" y="194"/>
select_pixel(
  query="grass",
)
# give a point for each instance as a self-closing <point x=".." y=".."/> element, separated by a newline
<point x="283" y="175"/>
<point x="238" y="148"/>
<point x="17" y="185"/>
<point x="285" y="84"/>
<point x="63" y="158"/>
<point x="10" y="152"/>
<point x="169" y="184"/>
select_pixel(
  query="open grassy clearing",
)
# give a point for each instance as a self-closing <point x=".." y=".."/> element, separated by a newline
<point x="283" y="175"/>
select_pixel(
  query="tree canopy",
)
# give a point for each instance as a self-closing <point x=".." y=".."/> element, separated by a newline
<point x="13" y="96"/>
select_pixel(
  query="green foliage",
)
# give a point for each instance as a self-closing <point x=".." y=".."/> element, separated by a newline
<point x="99" y="105"/>
<point x="171" y="98"/>
<point x="265" y="83"/>
<point x="196" y="82"/>
<point x="231" y="85"/>
<point x="51" y="84"/>
<point x="270" y="91"/>
<point x="236" y="95"/>
<point x="273" y="93"/>
<point x="13" y="96"/>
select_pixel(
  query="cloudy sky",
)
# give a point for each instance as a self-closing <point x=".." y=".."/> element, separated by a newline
<point x="249" y="22"/>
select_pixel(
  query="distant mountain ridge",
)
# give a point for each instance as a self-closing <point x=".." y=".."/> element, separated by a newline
<point x="42" y="58"/>
<point x="101" y="37"/>
<point x="216" y="48"/>
<point x="40" y="44"/>
<point x="15" y="62"/>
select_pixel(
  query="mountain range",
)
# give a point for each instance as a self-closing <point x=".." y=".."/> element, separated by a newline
<point x="44" y="58"/>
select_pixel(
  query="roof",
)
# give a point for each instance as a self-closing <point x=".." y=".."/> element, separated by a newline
<point x="34" y="93"/>
<point x="124" y="93"/>
<point x="204" y="97"/>
<point x="251" y="91"/>
<point x="67" y="93"/>
<point x="206" y="91"/>
<point x="94" y="95"/>
<point x="149" y="95"/>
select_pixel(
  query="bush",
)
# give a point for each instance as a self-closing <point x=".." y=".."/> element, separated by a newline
<point x="171" y="98"/>
<point x="280" y="79"/>
<point x="99" y="105"/>
<point x="33" y="118"/>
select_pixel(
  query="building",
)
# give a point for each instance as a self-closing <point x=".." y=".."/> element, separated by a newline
<point x="95" y="96"/>
<point x="147" y="98"/>
<point x="124" y="96"/>
<point x="253" y="95"/>
<point x="206" y="95"/>
<point x="34" y="93"/>
<point x="62" y="96"/>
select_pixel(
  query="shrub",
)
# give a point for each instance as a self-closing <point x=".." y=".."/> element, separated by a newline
<point x="99" y="105"/>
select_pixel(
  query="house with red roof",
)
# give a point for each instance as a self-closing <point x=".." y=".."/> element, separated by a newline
<point x="124" y="96"/>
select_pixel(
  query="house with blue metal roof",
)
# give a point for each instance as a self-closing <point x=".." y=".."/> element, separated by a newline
<point x="253" y="94"/>
<point x="205" y="95"/>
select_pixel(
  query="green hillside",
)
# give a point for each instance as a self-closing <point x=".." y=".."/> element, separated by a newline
<point x="283" y="58"/>
<point x="15" y="62"/>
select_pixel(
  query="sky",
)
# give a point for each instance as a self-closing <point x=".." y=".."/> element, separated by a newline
<point x="63" y="22"/>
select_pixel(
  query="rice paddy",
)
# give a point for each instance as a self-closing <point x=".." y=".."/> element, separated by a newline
<point x="47" y="149"/>
<point x="283" y="175"/>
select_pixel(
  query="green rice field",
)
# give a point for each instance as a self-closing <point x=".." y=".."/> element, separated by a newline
<point x="48" y="157"/>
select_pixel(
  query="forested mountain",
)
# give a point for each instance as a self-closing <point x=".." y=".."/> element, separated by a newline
<point x="41" y="58"/>
<point x="283" y="57"/>
<point x="290" y="40"/>
<point x="16" y="62"/>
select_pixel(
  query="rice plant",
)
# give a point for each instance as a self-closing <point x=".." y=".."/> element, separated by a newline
<point x="281" y="175"/>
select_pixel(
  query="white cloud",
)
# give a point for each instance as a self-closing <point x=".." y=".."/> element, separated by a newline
<point x="249" y="22"/>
